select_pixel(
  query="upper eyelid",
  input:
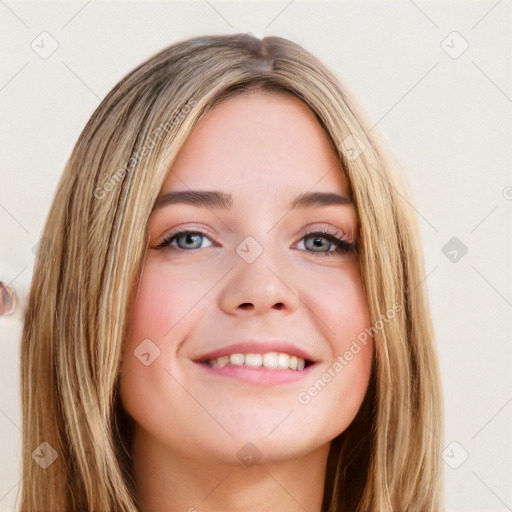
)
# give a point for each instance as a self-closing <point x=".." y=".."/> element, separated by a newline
<point x="180" y="231"/>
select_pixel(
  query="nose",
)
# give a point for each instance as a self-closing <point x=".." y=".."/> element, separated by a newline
<point x="262" y="285"/>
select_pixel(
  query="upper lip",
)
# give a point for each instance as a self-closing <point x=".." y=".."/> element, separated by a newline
<point x="258" y="347"/>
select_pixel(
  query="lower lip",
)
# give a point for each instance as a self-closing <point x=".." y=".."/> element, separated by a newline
<point x="258" y="375"/>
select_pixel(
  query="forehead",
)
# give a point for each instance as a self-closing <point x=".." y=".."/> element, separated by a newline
<point x="253" y="144"/>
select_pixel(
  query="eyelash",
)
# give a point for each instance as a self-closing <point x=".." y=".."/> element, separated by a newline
<point x="334" y="236"/>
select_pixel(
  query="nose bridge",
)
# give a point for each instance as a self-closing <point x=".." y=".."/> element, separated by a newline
<point x="259" y="278"/>
<point x="260" y="242"/>
<point x="258" y="260"/>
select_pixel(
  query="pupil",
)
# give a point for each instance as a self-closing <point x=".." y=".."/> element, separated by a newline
<point x="189" y="240"/>
<point x="318" y="242"/>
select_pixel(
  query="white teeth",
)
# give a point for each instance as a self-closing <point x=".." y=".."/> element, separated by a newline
<point x="253" y="360"/>
<point x="270" y="360"/>
<point x="237" y="359"/>
<point x="273" y="360"/>
<point x="222" y="361"/>
<point x="283" y="361"/>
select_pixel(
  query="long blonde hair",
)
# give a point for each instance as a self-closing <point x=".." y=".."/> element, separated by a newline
<point x="95" y="239"/>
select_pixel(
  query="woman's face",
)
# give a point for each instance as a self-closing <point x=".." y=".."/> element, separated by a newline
<point x="248" y="275"/>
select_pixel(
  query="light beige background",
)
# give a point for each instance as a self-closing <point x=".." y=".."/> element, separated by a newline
<point x="445" y="112"/>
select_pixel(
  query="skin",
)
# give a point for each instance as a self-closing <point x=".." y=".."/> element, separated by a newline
<point x="265" y="150"/>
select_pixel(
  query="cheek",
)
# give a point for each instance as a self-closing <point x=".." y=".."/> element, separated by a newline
<point x="157" y="321"/>
<point x="148" y="314"/>
<point x="164" y="299"/>
<point x="340" y="305"/>
<point x="155" y="309"/>
<point x="342" y="315"/>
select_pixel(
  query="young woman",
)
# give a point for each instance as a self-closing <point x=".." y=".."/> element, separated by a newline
<point x="230" y="314"/>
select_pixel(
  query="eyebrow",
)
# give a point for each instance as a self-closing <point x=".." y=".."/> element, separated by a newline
<point x="220" y="200"/>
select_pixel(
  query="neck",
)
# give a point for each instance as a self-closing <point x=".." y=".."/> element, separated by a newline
<point x="170" y="482"/>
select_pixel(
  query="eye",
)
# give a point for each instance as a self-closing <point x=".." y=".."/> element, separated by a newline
<point x="326" y="239"/>
<point x="315" y="241"/>
<point x="190" y="240"/>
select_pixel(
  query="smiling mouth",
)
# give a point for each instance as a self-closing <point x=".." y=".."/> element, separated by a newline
<point x="268" y="360"/>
